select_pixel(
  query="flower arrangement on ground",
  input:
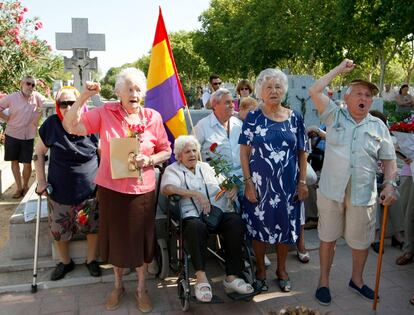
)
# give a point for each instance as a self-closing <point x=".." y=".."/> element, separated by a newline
<point x="404" y="132"/>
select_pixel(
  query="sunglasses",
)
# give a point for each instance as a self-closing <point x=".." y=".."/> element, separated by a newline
<point x="65" y="104"/>
<point x="31" y="84"/>
<point x="217" y="83"/>
<point x="244" y="89"/>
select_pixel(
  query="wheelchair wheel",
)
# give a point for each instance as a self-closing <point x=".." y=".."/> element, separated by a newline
<point x="163" y="259"/>
<point x="183" y="293"/>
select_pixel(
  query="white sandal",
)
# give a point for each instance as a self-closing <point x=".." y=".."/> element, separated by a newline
<point x="237" y="285"/>
<point x="201" y="293"/>
<point x="304" y="258"/>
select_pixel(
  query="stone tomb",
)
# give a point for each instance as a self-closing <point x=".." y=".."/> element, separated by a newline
<point x="298" y="98"/>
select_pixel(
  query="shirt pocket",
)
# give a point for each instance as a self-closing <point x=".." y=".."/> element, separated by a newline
<point x="336" y="136"/>
<point x="371" y="143"/>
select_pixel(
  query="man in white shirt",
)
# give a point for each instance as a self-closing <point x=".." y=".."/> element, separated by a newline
<point x="388" y="94"/>
<point x="214" y="85"/>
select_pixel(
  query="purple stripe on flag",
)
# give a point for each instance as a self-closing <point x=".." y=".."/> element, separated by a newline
<point x="165" y="98"/>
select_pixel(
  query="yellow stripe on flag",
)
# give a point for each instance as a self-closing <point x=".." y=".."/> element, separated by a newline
<point x="161" y="67"/>
<point x="177" y="124"/>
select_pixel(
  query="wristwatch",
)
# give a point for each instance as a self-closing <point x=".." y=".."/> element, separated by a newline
<point x="393" y="183"/>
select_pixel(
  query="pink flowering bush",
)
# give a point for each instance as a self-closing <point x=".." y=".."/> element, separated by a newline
<point x="21" y="50"/>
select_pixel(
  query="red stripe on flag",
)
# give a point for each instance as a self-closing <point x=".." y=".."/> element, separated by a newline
<point x="160" y="35"/>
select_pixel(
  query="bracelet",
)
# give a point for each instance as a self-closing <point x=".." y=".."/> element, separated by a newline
<point x="301" y="181"/>
<point x="247" y="179"/>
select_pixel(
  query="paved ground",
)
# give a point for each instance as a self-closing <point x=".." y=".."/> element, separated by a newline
<point x="397" y="285"/>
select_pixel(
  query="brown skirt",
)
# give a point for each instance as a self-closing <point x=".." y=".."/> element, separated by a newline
<point x="126" y="228"/>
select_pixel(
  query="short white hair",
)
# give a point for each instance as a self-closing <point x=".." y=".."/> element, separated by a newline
<point x="182" y="141"/>
<point x="269" y="74"/>
<point x="218" y="95"/>
<point x="133" y="75"/>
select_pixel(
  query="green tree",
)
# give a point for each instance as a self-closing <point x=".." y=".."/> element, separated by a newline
<point x="22" y="52"/>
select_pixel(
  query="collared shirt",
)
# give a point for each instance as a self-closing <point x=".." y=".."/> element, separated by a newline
<point x="105" y="121"/>
<point x="174" y="175"/>
<point x="209" y="130"/>
<point x="351" y="153"/>
<point x="206" y="98"/>
<point x="23" y="114"/>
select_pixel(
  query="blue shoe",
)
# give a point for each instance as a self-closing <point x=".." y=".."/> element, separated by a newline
<point x="365" y="291"/>
<point x="323" y="296"/>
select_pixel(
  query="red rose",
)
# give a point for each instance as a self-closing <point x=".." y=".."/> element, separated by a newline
<point x="82" y="219"/>
<point x="213" y="147"/>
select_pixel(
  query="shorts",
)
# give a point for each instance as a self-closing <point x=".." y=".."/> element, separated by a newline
<point x="18" y="150"/>
<point x="355" y="223"/>
<point x="67" y="220"/>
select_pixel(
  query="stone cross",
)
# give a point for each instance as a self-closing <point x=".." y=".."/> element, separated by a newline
<point x="81" y="43"/>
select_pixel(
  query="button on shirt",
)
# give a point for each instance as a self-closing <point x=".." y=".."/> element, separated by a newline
<point x="351" y="153"/>
<point x="174" y="175"/>
<point x="209" y="130"/>
<point x="22" y="123"/>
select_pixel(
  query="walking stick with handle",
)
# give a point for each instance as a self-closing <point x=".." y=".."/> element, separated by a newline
<point x="379" y="262"/>
<point x="36" y="247"/>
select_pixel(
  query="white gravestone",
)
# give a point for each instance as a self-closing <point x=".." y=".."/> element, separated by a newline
<point x="299" y="100"/>
<point x="81" y="42"/>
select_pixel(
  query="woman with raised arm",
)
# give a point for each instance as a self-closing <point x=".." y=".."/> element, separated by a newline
<point x="127" y="201"/>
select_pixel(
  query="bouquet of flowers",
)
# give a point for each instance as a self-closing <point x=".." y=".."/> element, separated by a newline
<point x="404" y="132"/>
<point x="135" y="131"/>
<point x="223" y="167"/>
<point x="82" y="215"/>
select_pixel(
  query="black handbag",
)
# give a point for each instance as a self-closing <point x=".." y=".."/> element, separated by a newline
<point x="214" y="217"/>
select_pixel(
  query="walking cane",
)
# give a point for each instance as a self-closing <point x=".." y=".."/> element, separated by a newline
<point x="379" y="262"/>
<point x="48" y="190"/>
<point x="39" y="205"/>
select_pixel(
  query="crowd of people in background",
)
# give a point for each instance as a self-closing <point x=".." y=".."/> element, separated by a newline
<point x="285" y="185"/>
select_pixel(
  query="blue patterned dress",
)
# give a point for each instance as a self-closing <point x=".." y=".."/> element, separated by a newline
<point x="275" y="174"/>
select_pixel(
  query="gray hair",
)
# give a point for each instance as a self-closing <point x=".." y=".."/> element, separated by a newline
<point x="217" y="96"/>
<point x="133" y="75"/>
<point x="269" y="74"/>
<point x="182" y="141"/>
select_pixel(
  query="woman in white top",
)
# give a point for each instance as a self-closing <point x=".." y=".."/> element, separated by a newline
<point x="190" y="179"/>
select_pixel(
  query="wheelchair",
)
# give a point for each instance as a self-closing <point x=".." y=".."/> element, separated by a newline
<point x="172" y="255"/>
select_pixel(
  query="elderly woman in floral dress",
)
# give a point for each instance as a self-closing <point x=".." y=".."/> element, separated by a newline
<point x="273" y="160"/>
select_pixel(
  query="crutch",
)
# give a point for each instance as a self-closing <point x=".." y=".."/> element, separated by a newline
<point x="36" y="247"/>
<point x="379" y="261"/>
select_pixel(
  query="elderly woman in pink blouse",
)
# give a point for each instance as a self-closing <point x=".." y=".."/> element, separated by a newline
<point x="126" y="205"/>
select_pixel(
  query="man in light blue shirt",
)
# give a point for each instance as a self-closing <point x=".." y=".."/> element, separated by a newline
<point x="223" y="128"/>
<point x="355" y="141"/>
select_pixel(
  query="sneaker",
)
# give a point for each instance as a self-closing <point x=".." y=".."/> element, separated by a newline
<point x="365" y="291"/>
<point x="61" y="270"/>
<point x="94" y="269"/>
<point x="323" y="296"/>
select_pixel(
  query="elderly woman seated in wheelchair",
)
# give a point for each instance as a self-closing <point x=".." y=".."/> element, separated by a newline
<point x="197" y="185"/>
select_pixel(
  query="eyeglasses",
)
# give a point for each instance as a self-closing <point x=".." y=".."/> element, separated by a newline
<point x="65" y="104"/>
<point x="244" y="89"/>
<point x="217" y="83"/>
<point x="31" y="84"/>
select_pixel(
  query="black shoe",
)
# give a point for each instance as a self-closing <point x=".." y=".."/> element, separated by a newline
<point x="61" y="270"/>
<point x="323" y="296"/>
<point x="260" y="285"/>
<point x="376" y="247"/>
<point x="396" y="243"/>
<point x="94" y="268"/>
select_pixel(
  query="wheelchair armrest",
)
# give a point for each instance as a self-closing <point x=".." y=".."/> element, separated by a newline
<point x="174" y="198"/>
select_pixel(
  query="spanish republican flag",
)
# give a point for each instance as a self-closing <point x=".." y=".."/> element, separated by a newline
<point x="165" y="93"/>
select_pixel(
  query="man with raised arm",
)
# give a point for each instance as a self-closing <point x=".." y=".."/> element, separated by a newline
<point x="355" y="142"/>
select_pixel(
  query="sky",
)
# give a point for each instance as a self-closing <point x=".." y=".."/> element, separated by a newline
<point x="128" y="25"/>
